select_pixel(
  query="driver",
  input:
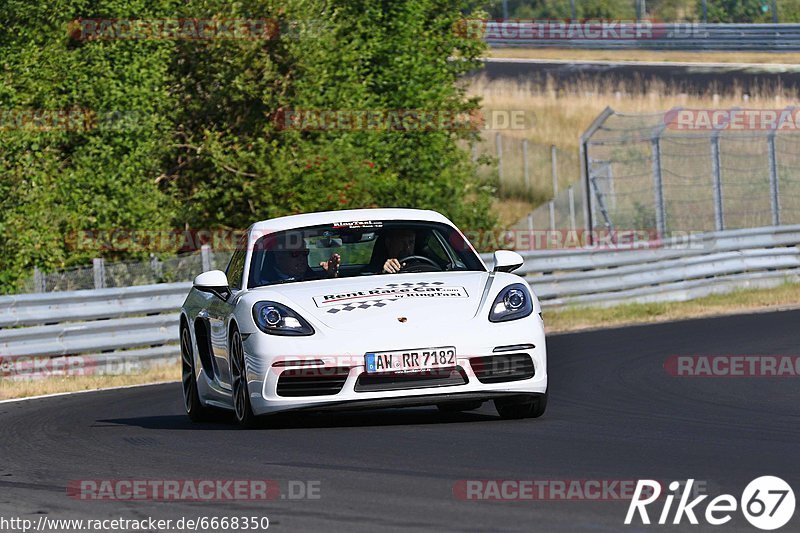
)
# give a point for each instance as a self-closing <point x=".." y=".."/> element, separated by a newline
<point x="399" y="244"/>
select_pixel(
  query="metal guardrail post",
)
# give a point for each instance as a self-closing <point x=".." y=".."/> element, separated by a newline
<point x="716" y="174"/>
<point x="773" y="180"/>
<point x="658" y="189"/>
<point x="205" y="255"/>
<point x="99" y="270"/>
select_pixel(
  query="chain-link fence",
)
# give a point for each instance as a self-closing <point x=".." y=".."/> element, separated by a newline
<point x="693" y="170"/>
<point x="103" y="274"/>
<point x="528" y="170"/>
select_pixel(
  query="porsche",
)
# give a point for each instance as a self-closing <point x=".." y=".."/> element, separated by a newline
<point x="366" y="308"/>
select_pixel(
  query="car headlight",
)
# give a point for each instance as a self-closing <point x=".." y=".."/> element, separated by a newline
<point x="277" y="319"/>
<point x="512" y="303"/>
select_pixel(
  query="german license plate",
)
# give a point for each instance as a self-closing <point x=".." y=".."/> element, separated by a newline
<point x="410" y="360"/>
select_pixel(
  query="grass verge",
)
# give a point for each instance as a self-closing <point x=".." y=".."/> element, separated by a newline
<point x="741" y="301"/>
<point x="51" y="385"/>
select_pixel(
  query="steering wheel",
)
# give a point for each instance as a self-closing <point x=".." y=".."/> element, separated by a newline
<point x="419" y="263"/>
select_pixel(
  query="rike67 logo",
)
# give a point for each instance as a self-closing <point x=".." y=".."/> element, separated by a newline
<point x="767" y="503"/>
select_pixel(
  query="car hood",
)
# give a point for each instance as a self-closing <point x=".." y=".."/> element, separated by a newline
<point x="424" y="299"/>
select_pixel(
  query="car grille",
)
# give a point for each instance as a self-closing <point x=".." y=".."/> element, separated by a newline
<point x="501" y="368"/>
<point x="317" y="381"/>
<point x="446" y="377"/>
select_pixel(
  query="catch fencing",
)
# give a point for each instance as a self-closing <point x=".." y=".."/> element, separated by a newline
<point x="120" y="326"/>
<point x="654" y="172"/>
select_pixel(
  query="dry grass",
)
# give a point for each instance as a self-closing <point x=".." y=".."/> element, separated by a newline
<point x="51" y="385"/>
<point x="648" y="55"/>
<point x="742" y="301"/>
<point x="563" y="114"/>
<point x="510" y="211"/>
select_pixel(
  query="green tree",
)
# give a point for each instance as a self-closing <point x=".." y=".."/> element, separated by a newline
<point x="101" y="171"/>
<point x="238" y="165"/>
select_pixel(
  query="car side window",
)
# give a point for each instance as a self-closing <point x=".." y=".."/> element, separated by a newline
<point x="235" y="270"/>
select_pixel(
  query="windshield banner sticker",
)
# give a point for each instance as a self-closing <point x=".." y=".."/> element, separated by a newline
<point x="381" y="296"/>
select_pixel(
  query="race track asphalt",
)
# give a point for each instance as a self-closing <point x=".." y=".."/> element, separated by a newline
<point x="614" y="414"/>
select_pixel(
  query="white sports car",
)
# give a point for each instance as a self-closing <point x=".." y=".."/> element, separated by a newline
<point x="364" y="308"/>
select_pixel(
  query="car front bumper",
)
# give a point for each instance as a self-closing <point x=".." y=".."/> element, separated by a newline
<point x="269" y="357"/>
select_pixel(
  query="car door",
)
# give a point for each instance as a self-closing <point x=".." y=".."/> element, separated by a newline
<point x="219" y="315"/>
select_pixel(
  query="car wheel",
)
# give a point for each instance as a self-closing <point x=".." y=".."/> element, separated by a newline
<point x="191" y="398"/>
<point x="457" y="407"/>
<point x="241" y="393"/>
<point x="528" y="406"/>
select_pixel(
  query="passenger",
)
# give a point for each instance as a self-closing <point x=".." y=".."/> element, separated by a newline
<point x="291" y="264"/>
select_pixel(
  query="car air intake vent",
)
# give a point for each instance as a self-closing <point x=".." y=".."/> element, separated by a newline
<point x="319" y="381"/>
<point x="445" y="377"/>
<point x="501" y="368"/>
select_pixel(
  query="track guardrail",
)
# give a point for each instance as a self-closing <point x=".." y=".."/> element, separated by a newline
<point x="115" y="326"/>
<point x="696" y="36"/>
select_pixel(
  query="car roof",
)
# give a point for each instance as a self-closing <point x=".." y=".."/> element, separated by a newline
<point x="347" y="216"/>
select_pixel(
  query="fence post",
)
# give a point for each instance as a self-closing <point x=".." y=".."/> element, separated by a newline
<point x="498" y="143"/>
<point x="586" y="171"/>
<point x="552" y="216"/>
<point x="99" y="269"/>
<point x="205" y="255"/>
<point x="658" y="189"/>
<point x="157" y="268"/>
<point x="586" y="190"/>
<point x="530" y="231"/>
<point x="773" y="181"/>
<point x="571" y="195"/>
<point x="553" y="169"/>
<point x="716" y="175"/>
<point x="39" y="281"/>
<point x="525" y="166"/>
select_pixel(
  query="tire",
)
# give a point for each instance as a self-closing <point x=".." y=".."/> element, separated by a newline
<point x="195" y="409"/>
<point x="241" y="393"/>
<point x="516" y="407"/>
<point x="457" y="407"/>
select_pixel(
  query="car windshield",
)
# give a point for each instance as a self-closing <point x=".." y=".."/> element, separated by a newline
<point x="359" y="249"/>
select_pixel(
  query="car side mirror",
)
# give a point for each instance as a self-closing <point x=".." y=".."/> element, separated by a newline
<point x="214" y="282"/>
<point x="507" y="261"/>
